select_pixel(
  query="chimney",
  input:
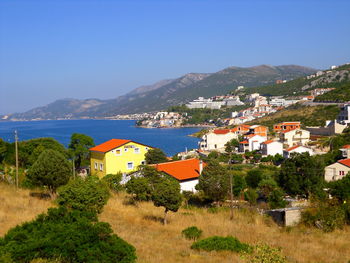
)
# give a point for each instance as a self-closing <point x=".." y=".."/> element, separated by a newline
<point x="200" y="167"/>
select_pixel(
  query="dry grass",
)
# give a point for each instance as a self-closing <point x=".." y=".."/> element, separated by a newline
<point x="17" y="206"/>
<point x="157" y="243"/>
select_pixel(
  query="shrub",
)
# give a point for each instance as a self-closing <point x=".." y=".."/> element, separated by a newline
<point x="251" y="196"/>
<point x="263" y="253"/>
<point x="192" y="232"/>
<point x="113" y="182"/>
<point x="218" y="243"/>
<point x="89" y="194"/>
<point x="326" y="216"/>
<point x="69" y="236"/>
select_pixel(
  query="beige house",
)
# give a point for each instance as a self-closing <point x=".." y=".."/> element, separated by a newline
<point x="216" y="139"/>
<point x="295" y="137"/>
<point x="337" y="171"/>
<point x="345" y="151"/>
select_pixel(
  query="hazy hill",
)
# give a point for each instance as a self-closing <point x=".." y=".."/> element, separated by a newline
<point x="167" y="93"/>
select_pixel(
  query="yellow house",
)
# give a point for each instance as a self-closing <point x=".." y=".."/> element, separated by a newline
<point x="117" y="155"/>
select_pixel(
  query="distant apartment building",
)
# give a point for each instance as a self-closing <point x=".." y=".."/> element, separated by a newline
<point x="271" y="147"/>
<point x="320" y="91"/>
<point x="279" y="102"/>
<point x="216" y="139"/>
<point x="344" y="115"/>
<point x="286" y="126"/>
<point x="295" y="137"/>
<point x="297" y="149"/>
<point x="251" y="143"/>
<point x="214" y="103"/>
<point x="258" y="130"/>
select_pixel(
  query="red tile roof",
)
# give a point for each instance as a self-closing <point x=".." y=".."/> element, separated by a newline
<point x="345" y="162"/>
<point x="111" y="144"/>
<point x="347" y="146"/>
<point x="181" y="170"/>
<point x="292" y="148"/>
<point x="268" y="141"/>
<point x="290" y="130"/>
<point x="223" y="131"/>
<point x="244" y="142"/>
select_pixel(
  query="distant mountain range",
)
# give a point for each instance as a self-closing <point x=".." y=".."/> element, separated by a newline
<point x="166" y="93"/>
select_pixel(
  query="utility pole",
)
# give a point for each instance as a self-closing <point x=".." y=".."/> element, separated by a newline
<point x="231" y="191"/>
<point x="16" y="149"/>
<point x="73" y="166"/>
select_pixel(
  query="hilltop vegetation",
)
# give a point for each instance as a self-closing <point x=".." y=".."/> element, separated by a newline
<point x="307" y="115"/>
<point x="340" y="94"/>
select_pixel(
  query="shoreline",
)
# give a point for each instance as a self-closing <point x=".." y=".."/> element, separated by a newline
<point x="177" y="127"/>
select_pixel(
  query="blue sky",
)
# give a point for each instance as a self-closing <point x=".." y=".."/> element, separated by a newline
<point x="83" y="49"/>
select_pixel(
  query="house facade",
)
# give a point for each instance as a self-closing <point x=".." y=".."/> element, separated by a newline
<point x="286" y="126"/>
<point x="186" y="172"/>
<point x="117" y="155"/>
<point x="271" y="147"/>
<point x="345" y="151"/>
<point x="216" y="139"/>
<point x="294" y="137"/>
<point x="251" y="143"/>
<point x="297" y="149"/>
<point x="337" y="171"/>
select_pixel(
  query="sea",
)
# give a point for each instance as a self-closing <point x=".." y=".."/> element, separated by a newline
<point x="171" y="140"/>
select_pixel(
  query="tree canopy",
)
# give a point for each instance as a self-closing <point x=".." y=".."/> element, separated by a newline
<point x="79" y="148"/>
<point x="154" y="156"/>
<point x="51" y="169"/>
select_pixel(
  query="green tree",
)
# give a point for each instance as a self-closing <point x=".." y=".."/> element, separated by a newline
<point x="231" y="146"/>
<point x="85" y="194"/>
<point x="214" y="181"/>
<point x="340" y="189"/>
<point x="167" y="193"/>
<point x="79" y="148"/>
<point x="251" y="196"/>
<point x="67" y="236"/>
<point x="303" y="175"/>
<point x="51" y="170"/>
<point x="276" y="199"/>
<point x="154" y="156"/>
<point x="238" y="185"/>
<point x="113" y="181"/>
<point x="140" y="188"/>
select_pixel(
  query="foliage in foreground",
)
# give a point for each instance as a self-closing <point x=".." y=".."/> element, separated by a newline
<point x="263" y="253"/>
<point x="71" y="236"/>
<point x="113" y="182"/>
<point x="89" y="194"/>
<point x="218" y="243"/>
<point x="192" y="232"/>
<point x="51" y="169"/>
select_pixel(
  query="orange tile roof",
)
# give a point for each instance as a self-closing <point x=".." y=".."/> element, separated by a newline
<point x="292" y="148"/>
<point x="268" y="141"/>
<point x="345" y="162"/>
<point x="223" y="131"/>
<point x="112" y="144"/>
<point x="244" y="142"/>
<point x="290" y="130"/>
<point x="347" y="146"/>
<point x="181" y="170"/>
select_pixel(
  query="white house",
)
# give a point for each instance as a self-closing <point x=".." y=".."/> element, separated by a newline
<point x="337" y="171"/>
<point x="295" y="136"/>
<point x="216" y="139"/>
<point x="271" y="147"/>
<point x="345" y="151"/>
<point x="344" y="115"/>
<point x="187" y="172"/>
<point x="251" y="143"/>
<point x="297" y="149"/>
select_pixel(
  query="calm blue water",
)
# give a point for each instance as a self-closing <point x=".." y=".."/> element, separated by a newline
<point x="171" y="141"/>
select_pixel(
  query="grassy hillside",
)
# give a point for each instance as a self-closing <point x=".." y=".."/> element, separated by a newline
<point x="340" y="94"/>
<point x="154" y="242"/>
<point x="307" y="115"/>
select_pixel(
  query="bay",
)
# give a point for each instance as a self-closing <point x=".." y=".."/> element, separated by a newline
<point x="171" y="141"/>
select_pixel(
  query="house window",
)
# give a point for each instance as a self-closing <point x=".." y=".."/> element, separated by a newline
<point x="143" y="162"/>
<point x="118" y="152"/>
<point x="137" y="150"/>
<point x="125" y="149"/>
<point x="101" y="166"/>
<point x="341" y="172"/>
<point x="96" y="166"/>
<point x="130" y="165"/>
<point x="146" y="148"/>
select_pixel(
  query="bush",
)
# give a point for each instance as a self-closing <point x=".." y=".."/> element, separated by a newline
<point x="192" y="232"/>
<point x="113" y="182"/>
<point x="69" y="236"/>
<point x="326" y="216"/>
<point x="263" y="253"/>
<point x="251" y="196"/>
<point x="89" y="194"/>
<point x="218" y="243"/>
